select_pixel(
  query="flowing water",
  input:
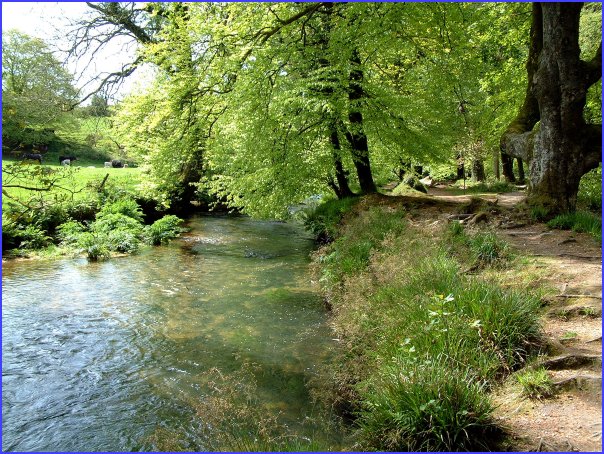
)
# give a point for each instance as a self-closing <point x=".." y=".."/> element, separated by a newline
<point x="115" y="355"/>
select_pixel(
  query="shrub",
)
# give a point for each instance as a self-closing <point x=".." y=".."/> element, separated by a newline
<point x="590" y="190"/>
<point x="127" y="207"/>
<point x="33" y="237"/>
<point x="69" y="232"/>
<point x="108" y="222"/>
<point x="163" y="230"/>
<point x="94" y="245"/>
<point x="123" y="241"/>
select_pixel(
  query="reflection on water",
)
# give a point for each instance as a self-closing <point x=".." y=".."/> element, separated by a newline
<point x="101" y="356"/>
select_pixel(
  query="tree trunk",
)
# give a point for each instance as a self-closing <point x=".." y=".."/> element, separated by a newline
<point x="564" y="147"/>
<point x="356" y="135"/>
<point x="507" y="166"/>
<point x="496" y="165"/>
<point x="478" y="170"/>
<point x="520" y="170"/>
<point x="461" y="168"/>
<point x="341" y="188"/>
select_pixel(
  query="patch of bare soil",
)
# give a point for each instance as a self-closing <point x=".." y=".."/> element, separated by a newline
<point x="570" y="267"/>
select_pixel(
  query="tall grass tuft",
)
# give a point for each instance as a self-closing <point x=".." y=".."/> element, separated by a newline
<point x="579" y="221"/>
<point x="427" y="405"/>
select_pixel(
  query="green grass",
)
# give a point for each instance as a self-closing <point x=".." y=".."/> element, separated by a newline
<point x="579" y="221"/>
<point x="78" y="178"/>
<point x="482" y="249"/>
<point x="477" y="188"/>
<point x="535" y="383"/>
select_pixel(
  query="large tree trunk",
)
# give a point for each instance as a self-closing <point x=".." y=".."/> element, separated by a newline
<point x="564" y="147"/>
<point x="356" y="135"/>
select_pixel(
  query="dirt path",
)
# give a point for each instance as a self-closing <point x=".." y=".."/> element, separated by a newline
<point x="571" y="420"/>
<point x="569" y="264"/>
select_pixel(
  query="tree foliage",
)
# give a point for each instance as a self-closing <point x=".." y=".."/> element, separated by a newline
<point x="37" y="91"/>
<point x="263" y="105"/>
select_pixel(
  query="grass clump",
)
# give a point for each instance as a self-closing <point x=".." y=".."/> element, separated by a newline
<point x="482" y="187"/>
<point x="351" y="252"/>
<point x="427" y="406"/>
<point x="482" y="249"/>
<point x="579" y="221"/>
<point x="535" y="383"/>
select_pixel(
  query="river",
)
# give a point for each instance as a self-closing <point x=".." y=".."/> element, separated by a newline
<point x="140" y="352"/>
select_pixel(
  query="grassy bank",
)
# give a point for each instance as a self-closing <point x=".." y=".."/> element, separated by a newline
<point x="421" y="341"/>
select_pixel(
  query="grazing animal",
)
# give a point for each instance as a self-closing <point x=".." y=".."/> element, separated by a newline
<point x="63" y="158"/>
<point x="125" y="164"/>
<point x="116" y="163"/>
<point x="108" y="164"/>
<point x="66" y="162"/>
<point x="32" y="156"/>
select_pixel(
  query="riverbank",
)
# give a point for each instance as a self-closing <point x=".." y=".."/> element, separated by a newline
<point x="439" y="322"/>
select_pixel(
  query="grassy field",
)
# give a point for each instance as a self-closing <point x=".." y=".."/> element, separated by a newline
<point x="80" y="178"/>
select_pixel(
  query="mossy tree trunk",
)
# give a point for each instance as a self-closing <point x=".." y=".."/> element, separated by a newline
<point x="564" y="147"/>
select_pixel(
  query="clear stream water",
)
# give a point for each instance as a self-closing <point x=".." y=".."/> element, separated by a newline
<point x="111" y="355"/>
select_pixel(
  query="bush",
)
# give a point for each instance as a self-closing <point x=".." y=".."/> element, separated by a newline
<point x="123" y="241"/>
<point x="163" y="230"/>
<point x="108" y="222"/>
<point x="33" y="237"/>
<point x="127" y="207"/>
<point x="93" y="245"/>
<point x="69" y="232"/>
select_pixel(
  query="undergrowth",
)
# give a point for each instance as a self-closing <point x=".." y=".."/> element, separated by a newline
<point x="323" y="220"/>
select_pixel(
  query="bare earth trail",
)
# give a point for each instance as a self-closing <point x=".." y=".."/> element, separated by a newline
<point x="569" y="266"/>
